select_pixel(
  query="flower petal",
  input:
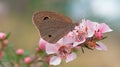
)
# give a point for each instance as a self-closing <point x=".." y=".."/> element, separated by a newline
<point x="88" y="27"/>
<point x="90" y="33"/>
<point x="51" y="48"/>
<point x="71" y="57"/>
<point x="55" y="60"/>
<point x="68" y="40"/>
<point x="96" y="26"/>
<point x="101" y="46"/>
<point x="104" y="28"/>
<point x="60" y="42"/>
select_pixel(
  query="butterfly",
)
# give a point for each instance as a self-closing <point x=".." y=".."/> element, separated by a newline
<point x="52" y="26"/>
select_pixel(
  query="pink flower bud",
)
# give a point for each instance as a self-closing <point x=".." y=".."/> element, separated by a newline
<point x="98" y="35"/>
<point x="2" y="36"/>
<point x="38" y="49"/>
<point x="5" y="42"/>
<point x="42" y="44"/>
<point x="20" y="52"/>
<point x="27" y="60"/>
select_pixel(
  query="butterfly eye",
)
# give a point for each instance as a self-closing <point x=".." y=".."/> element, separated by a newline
<point x="49" y="35"/>
<point x="45" y="18"/>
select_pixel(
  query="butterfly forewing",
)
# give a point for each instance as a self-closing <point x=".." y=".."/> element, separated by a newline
<point x="52" y="26"/>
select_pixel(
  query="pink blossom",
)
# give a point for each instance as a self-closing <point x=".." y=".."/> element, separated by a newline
<point x="87" y="27"/>
<point x="83" y="30"/>
<point x="62" y="49"/>
<point x="100" y="29"/>
<point x="20" y="52"/>
<point x="2" y="35"/>
<point x="27" y="60"/>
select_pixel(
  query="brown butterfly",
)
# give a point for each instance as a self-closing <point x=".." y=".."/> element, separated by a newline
<point x="52" y="26"/>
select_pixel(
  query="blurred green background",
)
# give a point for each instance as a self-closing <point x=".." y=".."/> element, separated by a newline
<point x="16" y="17"/>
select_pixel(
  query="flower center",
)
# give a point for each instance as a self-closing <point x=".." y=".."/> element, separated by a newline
<point x="81" y="36"/>
<point x="64" y="51"/>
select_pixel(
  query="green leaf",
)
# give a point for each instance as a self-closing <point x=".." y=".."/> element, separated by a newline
<point x="9" y="54"/>
<point x="42" y="53"/>
<point x="26" y="53"/>
<point x="4" y="58"/>
<point x="104" y="37"/>
<point x="75" y="50"/>
<point x="45" y="64"/>
<point x="8" y="35"/>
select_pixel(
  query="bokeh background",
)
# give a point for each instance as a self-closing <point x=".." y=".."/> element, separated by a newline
<point x="16" y="17"/>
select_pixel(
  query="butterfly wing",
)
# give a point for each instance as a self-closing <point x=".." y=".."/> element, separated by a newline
<point x="52" y="26"/>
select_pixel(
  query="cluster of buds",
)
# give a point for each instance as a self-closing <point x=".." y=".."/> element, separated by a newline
<point x="3" y="43"/>
<point x="27" y="60"/>
<point x="4" y="50"/>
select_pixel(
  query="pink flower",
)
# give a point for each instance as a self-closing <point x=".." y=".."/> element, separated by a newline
<point x="83" y="30"/>
<point x="42" y="44"/>
<point x="87" y="27"/>
<point x="27" y="60"/>
<point x="100" y="46"/>
<point x="62" y="49"/>
<point x="56" y="60"/>
<point x="20" y="52"/>
<point x="2" y="36"/>
<point x="100" y="29"/>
